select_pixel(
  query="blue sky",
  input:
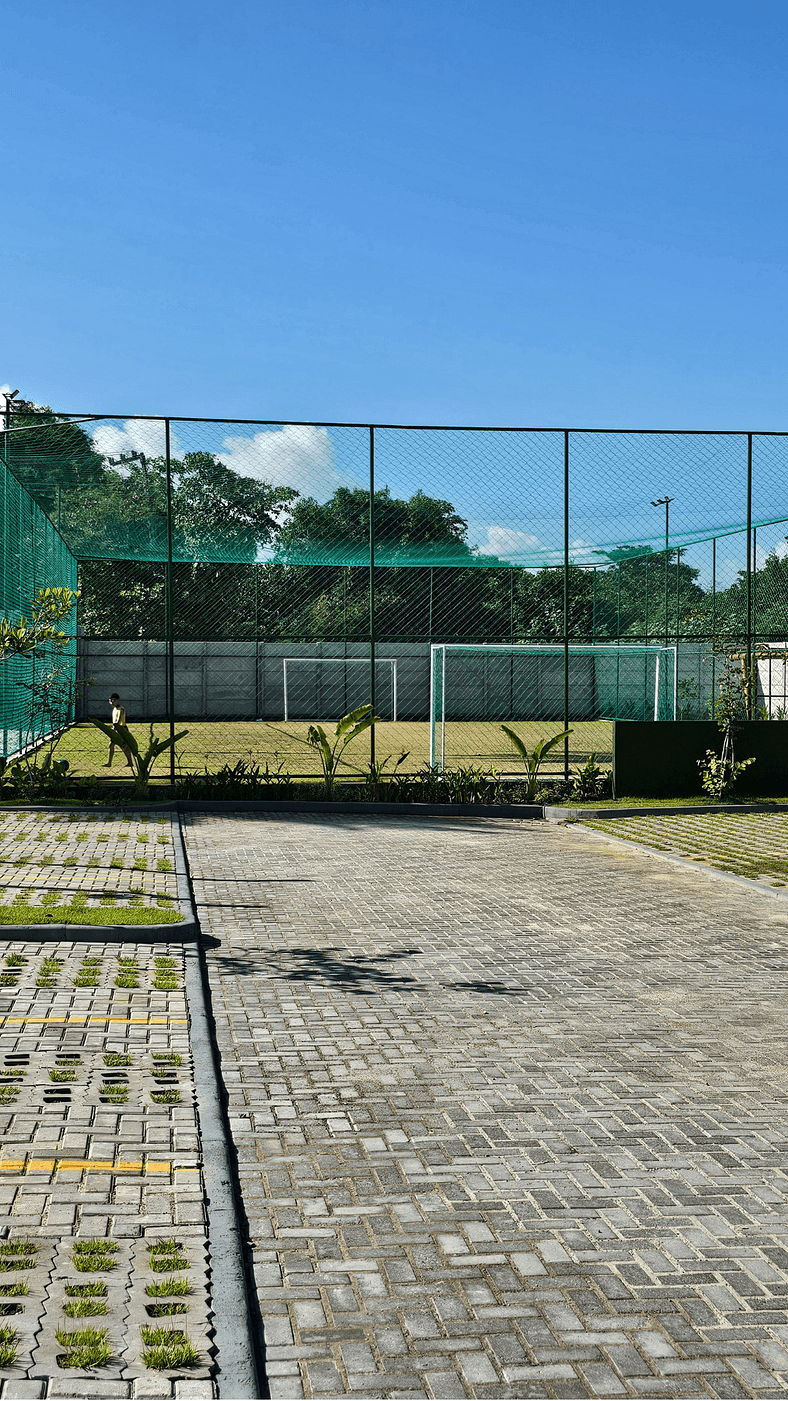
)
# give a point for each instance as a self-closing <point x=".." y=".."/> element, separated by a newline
<point x="456" y="213"/>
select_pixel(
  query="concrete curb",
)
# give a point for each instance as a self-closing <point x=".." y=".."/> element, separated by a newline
<point x="184" y="932"/>
<point x="233" y="1337"/>
<point x="729" y="877"/>
<point x="525" y="810"/>
<point x="569" y="814"/>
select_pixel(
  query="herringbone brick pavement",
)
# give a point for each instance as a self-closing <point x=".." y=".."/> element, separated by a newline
<point x="510" y="1108"/>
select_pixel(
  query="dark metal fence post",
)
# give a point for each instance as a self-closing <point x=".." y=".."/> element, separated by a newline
<point x="566" y="602"/>
<point x="754" y="589"/>
<point x="257" y="689"/>
<point x="170" y="606"/>
<point x="749" y="578"/>
<point x="713" y="621"/>
<point x="372" y="590"/>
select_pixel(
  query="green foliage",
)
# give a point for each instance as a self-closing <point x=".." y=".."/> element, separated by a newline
<point x="142" y="762"/>
<point x="377" y="777"/>
<point x="25" y="779"/>
<point x="241" y="780"/>
<point x="533" y="759"/>
<point x="355" y="723"/>
<point x="736" y="685"/>
<point x="591" y="781"/>
<point x="48" y="608"/>
<point x="718" y="774"/>
<point x="9" y="1345"/>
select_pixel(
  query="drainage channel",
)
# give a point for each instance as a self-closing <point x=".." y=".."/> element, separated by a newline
<point x="110" y="1216"/>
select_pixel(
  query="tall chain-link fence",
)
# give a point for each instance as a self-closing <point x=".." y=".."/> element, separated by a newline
<point x="33" y="556"/>
<point x="251" y="578"/>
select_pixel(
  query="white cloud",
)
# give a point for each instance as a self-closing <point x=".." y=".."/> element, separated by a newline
<point x="296" y="455"/>
<point x="135" y="435"/>
<point x="507" y="543"/>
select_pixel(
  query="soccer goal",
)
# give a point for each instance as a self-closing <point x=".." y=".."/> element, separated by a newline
<point x="325" y="688"/>
<point x="477" y="684"/>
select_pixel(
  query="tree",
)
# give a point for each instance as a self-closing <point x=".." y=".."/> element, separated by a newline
<point x="215" y="512"/>
<point x="51" y="456"/>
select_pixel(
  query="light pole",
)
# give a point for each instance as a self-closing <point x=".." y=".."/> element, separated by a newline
<point x="665" y="501"/>
<point x="9" y="395"/>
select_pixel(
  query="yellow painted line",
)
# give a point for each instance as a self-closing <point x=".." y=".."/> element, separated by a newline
<point x="87" y="1165"/>
<point x="136" y="1021"/>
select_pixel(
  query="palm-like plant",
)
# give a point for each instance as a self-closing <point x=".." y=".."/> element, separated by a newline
<point x="532" y="759"/>
<point x="142" y="763"/>
<point x="331" y="750"/>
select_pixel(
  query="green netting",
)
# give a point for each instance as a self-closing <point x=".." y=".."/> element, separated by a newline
<point x="212" y="552"/>
<point x="34" y="556"/>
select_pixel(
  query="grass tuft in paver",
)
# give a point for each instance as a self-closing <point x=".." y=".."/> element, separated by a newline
<point x="15" y="1290"/>
<point x="62" y="1077"/>
<point x="163" y="864"/>
<point x="85" y="1347"/>
<point x="167" y="1255"/>
<point x="167" y="1348"/>
<point x="17" y="1255"/>
<point x="167" y="1058"/>
<point x="8" y="1094"/>
<point x="68" y="1060"/>
<point x="167" y="1308"/>
<point x="47" y="973"/>
<point x="118" y="1058"/>
<point x="87" y="978"/>
<point x="85" y="1308"/>
<point x="128" y="973"/>
<point x="94" y="1289"/>
<point x="12" y="1072"/>
<point x="166" y="1096"/>
<point x="94" y="1256"/>
<point x="165" y="1288"/>
<point x="9" y="980"/>
<point x="165" y="975"/>
<point x="14" y="960"/>
<point x="90" y="972"/>
<point x="114" y="1093"/>
<point x="9" y="1346"/>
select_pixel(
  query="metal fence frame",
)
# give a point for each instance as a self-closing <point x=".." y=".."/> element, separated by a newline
<point x="747" y="436"/>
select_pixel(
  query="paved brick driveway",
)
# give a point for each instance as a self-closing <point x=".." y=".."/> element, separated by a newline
<point x="510" y="1107"/>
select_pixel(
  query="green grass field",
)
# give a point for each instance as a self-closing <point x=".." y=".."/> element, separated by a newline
<point x="211" y="744"/>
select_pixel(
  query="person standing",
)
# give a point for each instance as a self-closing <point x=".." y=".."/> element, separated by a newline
<point x="118" y="717"/>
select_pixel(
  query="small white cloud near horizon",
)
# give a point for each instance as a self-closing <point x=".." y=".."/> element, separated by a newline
<point x="297" y="455"/>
